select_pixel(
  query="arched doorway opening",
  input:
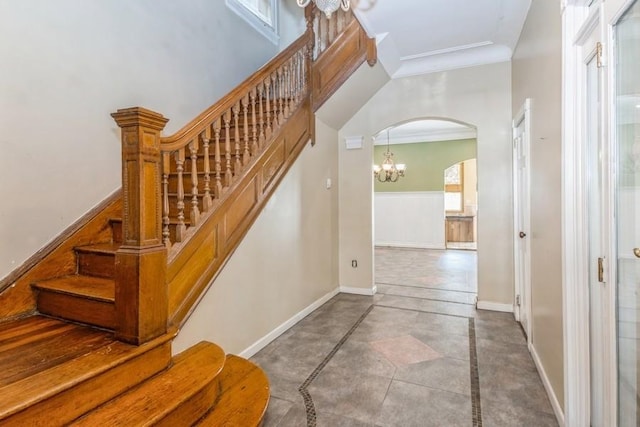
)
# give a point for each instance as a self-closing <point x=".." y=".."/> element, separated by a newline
<point x="410" y="217"/>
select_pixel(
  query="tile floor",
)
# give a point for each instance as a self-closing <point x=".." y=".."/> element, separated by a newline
<point x="415" y="354"/>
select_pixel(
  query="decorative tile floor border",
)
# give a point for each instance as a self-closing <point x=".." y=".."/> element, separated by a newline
<point x="476" y="409"/>
<point x="303" y="389"/>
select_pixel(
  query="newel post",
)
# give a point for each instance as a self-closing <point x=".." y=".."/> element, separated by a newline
<point x="141" y="261"/>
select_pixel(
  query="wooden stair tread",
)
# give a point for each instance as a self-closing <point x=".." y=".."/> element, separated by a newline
<point x="32" y="345"/>
<point x="101" y="248"/>
<point x="96" y="288"/>
<point x="155" y="399"/>
<point x="244" y="395"/>
<point x="67" y="360"/>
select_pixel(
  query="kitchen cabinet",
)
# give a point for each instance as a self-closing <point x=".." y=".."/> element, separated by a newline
<point x="460" y="228"/>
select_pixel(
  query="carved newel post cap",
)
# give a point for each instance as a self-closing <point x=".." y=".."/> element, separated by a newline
<point x="138" y="116"/>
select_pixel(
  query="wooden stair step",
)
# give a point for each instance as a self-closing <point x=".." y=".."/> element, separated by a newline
<point x="54" y="372"/>
<point x="79" y="298"/>
<point x="178" y="396"/>
<point x="97" y="260"/>
<point x="244" y="396"/>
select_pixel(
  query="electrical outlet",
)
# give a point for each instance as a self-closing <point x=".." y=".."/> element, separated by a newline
<point x="354" y="263"/>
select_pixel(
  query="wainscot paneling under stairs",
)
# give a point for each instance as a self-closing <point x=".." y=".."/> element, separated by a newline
<point x="87" y="323"/>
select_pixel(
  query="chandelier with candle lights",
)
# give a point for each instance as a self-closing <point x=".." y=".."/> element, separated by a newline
<point x="388" y="170"/>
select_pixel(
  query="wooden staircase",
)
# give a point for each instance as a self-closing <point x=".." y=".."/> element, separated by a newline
<point x="86" y="326"/>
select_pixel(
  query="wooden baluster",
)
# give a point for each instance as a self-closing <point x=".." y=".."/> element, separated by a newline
<point x="141" y="304"/>
<point x="236" y="142"/>
<point x="280" y="96"/>
<point x="333" y="30"/>
<point x="166" y="169"/>
<point x="299" y="88"/>
<point x="253" y="95"/>
<point x="267" y="92"/>
<point x="312" y="30"/>
<point x="274" y="101"/>
<point x="245" y="119"/>
<point x="292" y="92"/>
<point x="228" y="175"/>
<point x="261" y="114"/>
<point x="324" y="33"/>
<point x="318" y="32"/>
<point x="181" y="228"/>
<point x="194" y="215"/>
<point x="218" y="160"/>
<point x="285" y="90"/>
<point x="207" y="201"/>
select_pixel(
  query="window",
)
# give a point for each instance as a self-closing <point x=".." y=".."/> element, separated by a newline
<point x="260" y="14"/>
<point x="454" y="188"/>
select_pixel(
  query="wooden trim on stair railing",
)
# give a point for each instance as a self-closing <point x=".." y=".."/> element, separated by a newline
<point x="349" y="49"/>
<point x="190" y="198"/>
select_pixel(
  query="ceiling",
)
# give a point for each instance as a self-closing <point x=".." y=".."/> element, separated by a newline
<point x="421" y="36"/>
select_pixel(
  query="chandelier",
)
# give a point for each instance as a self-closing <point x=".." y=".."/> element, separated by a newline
<point x="388" y="171"/>
<point x="327" y="6"/>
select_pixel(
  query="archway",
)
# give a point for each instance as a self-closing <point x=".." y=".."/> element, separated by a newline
<point x="409" y="213"/>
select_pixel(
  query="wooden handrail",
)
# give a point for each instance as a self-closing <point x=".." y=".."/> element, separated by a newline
<point x="197" y="125"/>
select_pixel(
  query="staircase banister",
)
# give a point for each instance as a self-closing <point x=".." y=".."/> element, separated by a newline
<point x="192" y="129"/>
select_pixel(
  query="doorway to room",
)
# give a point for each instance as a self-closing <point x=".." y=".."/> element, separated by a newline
<point x="461" y="205"/>
<point x="411" y="212"/>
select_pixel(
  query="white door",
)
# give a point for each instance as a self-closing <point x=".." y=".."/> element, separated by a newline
<point x="522" y="260"/>
<point x="624" y="20"/>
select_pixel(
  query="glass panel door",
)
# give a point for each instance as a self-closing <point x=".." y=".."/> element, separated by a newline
<point x="627" y="140"/>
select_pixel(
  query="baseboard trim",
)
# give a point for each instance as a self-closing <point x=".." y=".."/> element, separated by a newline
<point x="264" y="341"/>
<point x="494" y="306"/>
<point x="547" y="386"/>
<point x="410" y="245"/>
<point x="359" y="291"/>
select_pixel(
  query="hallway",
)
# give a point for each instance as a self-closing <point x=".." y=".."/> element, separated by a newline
<point x="415" y="354"/>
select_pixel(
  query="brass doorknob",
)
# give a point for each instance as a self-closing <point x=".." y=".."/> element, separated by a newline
<point x="636" y="252"/>
<point x="523" y="235"/>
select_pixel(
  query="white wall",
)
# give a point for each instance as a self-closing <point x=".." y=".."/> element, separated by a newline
<point x="410" y="219"/>
<point x="479" y="96"/>
<point x="66" y="65"/>
<point x="537" y="65"/>
<point x="286" y="262"/>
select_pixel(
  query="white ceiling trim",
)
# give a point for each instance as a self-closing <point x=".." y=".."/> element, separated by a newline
<point x="447" y="50"/>
<point x="472" y="57"/>
<point x="433" y="136"/>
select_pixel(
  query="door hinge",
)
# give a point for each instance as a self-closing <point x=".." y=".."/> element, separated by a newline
<point x="601" y="270"/>
<point x="599" y="55"/>
<point x="518" y="300"/>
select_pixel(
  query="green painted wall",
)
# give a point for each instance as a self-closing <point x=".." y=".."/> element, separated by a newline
<point x="426" y="162"/>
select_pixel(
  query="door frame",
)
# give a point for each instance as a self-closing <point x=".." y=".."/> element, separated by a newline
<point x="522" y="288"/>
<point x="576" y="23"/>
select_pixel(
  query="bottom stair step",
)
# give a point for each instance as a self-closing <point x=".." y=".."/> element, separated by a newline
<point x="53" y="372"/>
<point x="178" y="396"/>
<point x="244" y="396"/>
